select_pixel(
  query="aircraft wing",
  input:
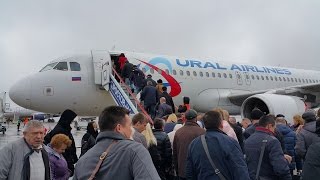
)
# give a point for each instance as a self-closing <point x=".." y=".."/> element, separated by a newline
<point x="300" y="90"/>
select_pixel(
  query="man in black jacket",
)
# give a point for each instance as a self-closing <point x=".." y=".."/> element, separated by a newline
<point x="164" y="148"/>
<point x="125" y="74"/>
<point x="149" y="96"/>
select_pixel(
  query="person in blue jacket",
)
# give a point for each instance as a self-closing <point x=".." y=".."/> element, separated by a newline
<point x="224" y="151"/>
<point x="289" y="138"/>
<point x="274" y="163"/>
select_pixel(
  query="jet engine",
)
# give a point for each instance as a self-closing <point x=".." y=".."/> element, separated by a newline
<point x="273" y="104"/>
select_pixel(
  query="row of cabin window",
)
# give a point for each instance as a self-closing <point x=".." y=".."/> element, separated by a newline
<point x="219" y="75"/>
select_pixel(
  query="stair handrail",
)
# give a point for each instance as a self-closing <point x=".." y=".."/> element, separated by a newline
<point x="132" y="95"/>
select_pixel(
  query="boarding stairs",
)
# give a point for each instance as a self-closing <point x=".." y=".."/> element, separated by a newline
<point x="108" y="78"/>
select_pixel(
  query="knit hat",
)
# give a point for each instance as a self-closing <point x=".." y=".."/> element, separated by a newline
<point x="280" y="116"/>
<point x="191" y="114"/>
<point x="256" y="114"/>
<point x="309" y="116"/>
<point x="182" y="109"/>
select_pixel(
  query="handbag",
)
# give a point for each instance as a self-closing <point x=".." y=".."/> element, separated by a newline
<point x="205" y="147"/>
<point x="101" y="159"/>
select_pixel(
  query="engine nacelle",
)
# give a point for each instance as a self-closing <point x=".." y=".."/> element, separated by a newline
<point x="273" y="104"/>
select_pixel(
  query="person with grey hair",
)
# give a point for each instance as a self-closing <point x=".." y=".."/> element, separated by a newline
<point x="25" y="158"/>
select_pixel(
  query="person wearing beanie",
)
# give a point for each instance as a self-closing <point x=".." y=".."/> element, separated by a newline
<point x="182" y="138"/>
<point x="256" y="114"/>
<point x="159" y="86"/>
<point x="307" y="134"/>
<point x="149" y="79"/>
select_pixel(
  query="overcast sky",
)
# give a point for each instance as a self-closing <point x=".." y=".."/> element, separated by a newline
<point x="272" y="32"/>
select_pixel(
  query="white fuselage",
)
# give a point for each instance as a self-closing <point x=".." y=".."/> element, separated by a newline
<point x="208" y="83"/>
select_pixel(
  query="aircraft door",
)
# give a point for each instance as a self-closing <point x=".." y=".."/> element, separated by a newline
<point x="247" y="77"/>
<point x="102" y="67"/>
<point x="239" y="77"/>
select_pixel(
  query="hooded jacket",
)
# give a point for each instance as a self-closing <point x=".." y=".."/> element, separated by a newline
<point x="289" y="138"/>
<point x="63" y="127"/>
<point x="305" y="138"/>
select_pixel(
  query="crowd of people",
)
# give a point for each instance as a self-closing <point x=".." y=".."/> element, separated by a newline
<point x="180" y="144"/>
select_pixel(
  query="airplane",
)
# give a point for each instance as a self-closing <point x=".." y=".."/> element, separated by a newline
<point x="10" y="113"/>
<point x="81" y="82"/>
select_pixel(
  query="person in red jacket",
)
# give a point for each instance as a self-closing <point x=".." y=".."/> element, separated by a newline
<point x="122" y="60"/>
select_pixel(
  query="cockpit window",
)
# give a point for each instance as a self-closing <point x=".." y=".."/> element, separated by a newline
<point x="74" y="66"/>
<point x="48" y="67"/>
<point x="62" y="66"/>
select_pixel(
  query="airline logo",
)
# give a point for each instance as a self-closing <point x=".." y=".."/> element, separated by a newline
<point x="175" y="86"/>
<point x="233" y="67"/>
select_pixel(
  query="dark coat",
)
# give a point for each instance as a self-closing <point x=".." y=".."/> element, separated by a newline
<point x="225" y="153"/>
<point x="149" y="95"/>
<point x="155" y="156"/>
<point x="137" y="77"/>
<point x="305" y="138"/>
<point x="182" y="139"/>
<point x="289" y="138"/>
<point x="89" y="139"/>
<point x="311" y="166"/>
<point x="163" y="110"/>
<point x="63" y="127"/>
<point x="164" y="148"/>
<point x="168" y="127"/>
<point x="169" y="100"/>
<point x="273" y="165"/>
<point x="127" y="69"/>
<point x="250" y="130"/>
<point x="154" y="83"/>
<point x="239" y="134"/>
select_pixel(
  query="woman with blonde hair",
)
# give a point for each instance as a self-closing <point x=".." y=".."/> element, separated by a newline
<point x="58" y="165"/>
<point x="152" y="146"/>
<point x="171" y="122"/>
<point x="297" y="121"/>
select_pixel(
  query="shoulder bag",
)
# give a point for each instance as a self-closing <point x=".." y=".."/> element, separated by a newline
<point x="102" y="157"/>
<point x="205" y="147"/>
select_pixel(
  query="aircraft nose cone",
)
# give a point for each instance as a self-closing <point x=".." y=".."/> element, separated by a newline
<point x="20" y="92"/>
